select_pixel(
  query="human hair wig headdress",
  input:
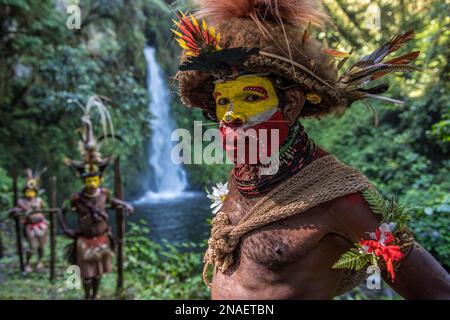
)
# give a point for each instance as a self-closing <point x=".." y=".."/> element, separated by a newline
<point x="92" y="163"/>
<point x="226" y="38"/>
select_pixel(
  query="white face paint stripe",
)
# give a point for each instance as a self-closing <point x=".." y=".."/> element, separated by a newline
<point x="227" y="115"/>
<point x="260" y="117"/>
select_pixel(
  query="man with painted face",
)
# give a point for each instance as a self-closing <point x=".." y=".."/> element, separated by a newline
<point x="315" y="227"/>
<point x="34" y="222"/>
<point x="93" y="247"/>
<point x="93" y="239"/>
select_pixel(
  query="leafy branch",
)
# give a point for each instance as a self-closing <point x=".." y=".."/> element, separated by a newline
<point x="390" y="210"/>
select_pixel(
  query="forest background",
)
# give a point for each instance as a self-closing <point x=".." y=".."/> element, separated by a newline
<point x="44" y="65"/>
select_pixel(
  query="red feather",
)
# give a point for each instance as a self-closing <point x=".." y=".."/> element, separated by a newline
<point x="193" y="38"/>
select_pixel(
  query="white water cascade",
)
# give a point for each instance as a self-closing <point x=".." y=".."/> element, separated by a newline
<point x="168" y="180"/>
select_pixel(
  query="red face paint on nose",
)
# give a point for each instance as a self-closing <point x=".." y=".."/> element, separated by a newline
<point x="255" y="139"/>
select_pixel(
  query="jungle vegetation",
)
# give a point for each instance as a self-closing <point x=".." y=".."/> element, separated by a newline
<point x="44" y="65"/>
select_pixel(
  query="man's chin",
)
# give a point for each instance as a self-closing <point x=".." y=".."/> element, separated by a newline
<point x="243" y="157"/>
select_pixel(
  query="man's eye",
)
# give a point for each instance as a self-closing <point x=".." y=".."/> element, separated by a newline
<point x="252" y="98"/>
<point x="223" y="101"/>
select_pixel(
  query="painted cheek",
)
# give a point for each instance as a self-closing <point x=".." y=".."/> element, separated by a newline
<point x="220" y="111"/>
<point x="30" y="194"/>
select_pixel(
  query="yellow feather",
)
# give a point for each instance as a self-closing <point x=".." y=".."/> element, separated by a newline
<point x="181" y="41"/>
<point x="183" y="15"/>
<point x="204" y="26"/>
<point x="212" y="31"/>
<point x="176" y="33"/>
<point x="194" y="21"/>
<point x="182" y="44"/>
<point x="176" y="23"/>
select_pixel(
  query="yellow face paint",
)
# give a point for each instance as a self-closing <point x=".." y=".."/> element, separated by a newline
<point x="30" y="193"/>
<point x="92" y="183"/>
<point x="250" y="99"/>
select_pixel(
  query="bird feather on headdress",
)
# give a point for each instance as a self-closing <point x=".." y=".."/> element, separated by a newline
<point x="293" y="12"/>
<point x="33" y="179"/>
<point x="89" y="146"/>
<point x="372" y="67"/>
<point x="201" y="42"/>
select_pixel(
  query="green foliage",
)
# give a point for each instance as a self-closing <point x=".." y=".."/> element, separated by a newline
<point x="375" y="201"/>
<point x="407" y="154"/>
<point x="43" y="64"/>
<point x="389" y="210"/>
<point x="430" y="221"/>
<point x="152" y="271"/>
<point x="5" y="192"/>
<point x="163" y="270"/>
<point x="353" y="259"/>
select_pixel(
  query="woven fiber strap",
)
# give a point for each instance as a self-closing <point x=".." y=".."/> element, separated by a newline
<point x="323" y="180"/>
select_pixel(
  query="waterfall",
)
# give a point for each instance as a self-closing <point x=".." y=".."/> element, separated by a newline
<point x="167" y="180"/>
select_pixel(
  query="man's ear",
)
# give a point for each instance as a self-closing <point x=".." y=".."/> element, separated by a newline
<point x="294" y="100"/>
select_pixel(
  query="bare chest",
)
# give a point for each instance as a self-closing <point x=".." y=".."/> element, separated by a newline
<point x="91" y="210"/>
<point x="279" y="243"/>
<point x="30" y="205"/>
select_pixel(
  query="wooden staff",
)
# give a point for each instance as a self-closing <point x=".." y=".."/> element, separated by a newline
<point x="17" y="222"/>
<point x="52" y="229"/>
<point x="120" y="224"/>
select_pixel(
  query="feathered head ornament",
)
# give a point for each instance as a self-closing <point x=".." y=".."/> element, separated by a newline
<point x="33" y="179"/>
<point x="232" y="37"/>
<point x="92" y="163"/>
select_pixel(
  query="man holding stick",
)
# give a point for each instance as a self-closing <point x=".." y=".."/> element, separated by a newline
<point x="93" y="243"/>
<point x="35" y="224"/>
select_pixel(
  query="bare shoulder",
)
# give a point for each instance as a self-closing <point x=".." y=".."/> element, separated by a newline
<point x="352" y="217"/>
<point x="353" y="203"/>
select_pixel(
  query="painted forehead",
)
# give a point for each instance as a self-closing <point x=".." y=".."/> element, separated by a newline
<point x="246" y="83"/>
<point x="92" y="178"/>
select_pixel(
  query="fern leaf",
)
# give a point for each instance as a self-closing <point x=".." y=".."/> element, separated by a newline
<point x="373" y="260"/>
<point x="352" y="259"/>
<point x="390" y="210"/>
<point x="376" y="201"/>
<point x="401" y="215"/>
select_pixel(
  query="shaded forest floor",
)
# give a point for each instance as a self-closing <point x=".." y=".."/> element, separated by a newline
<point x="151" y="271"/>
<point x="37" y="286"/>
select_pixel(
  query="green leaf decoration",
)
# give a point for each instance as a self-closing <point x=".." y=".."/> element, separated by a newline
<point x="390" y="210"/>
<point x="375" y="201"/>
<point x="352" y="259"/>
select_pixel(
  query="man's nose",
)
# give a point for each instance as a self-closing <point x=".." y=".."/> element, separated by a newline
<point x="229" y="117"/>
<point x="234" y="119"/>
